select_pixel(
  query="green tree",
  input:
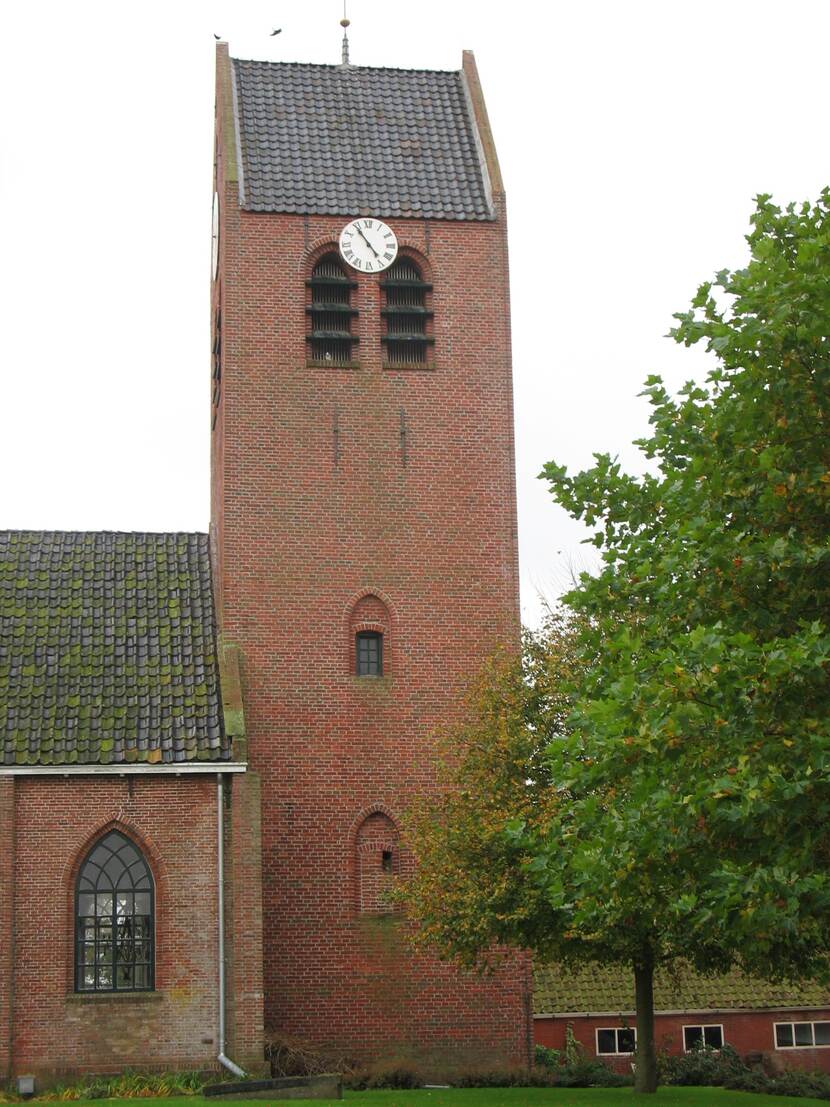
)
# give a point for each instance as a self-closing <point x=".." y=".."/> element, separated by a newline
<point x="474" y="882"/>
<point x="685" y="812"/>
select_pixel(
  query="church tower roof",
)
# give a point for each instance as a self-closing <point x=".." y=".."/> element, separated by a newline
<point x="346" y="140"/>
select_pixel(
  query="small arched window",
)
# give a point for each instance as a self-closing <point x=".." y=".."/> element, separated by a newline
<point x="114" y="914"/>
<point x="330" y="312"/>
<point x="408" y="339"/>
<point x="370" y="643"/>
<point x="377" y="863"/>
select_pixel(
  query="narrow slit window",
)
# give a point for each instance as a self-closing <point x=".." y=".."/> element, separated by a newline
<point x="369" y="653"/>
<point x="386" y="861"/>
<point x="407" y="339"/>
<point x="330" y="338"/>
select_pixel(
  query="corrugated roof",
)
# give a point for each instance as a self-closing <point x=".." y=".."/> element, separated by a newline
<point x="611" y="988"/>
<point x="107" y="649"/>
<point x="350" y="140"/>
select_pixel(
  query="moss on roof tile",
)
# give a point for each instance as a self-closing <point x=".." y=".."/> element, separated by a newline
<point x="107" y="649"/>
<point x="603" y="989"/>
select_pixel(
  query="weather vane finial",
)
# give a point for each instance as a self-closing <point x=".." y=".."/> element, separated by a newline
<point x="344" y="23"/>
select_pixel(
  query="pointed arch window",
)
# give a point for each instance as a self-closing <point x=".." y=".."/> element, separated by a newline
<point x="114" y="915"/>
<point x="330" y="312"/>
<point x="408" y="339"/>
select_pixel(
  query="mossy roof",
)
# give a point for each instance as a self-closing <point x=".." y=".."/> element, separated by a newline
<point x="603" y="989"/>
<point x="107" y="649"/>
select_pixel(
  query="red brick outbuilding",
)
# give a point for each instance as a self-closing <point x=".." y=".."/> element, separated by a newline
<point x="783" y="1025"/>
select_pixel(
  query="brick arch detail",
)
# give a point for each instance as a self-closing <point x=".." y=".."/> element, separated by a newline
<point x="325" y="244"/>
<point x="321" y="246"/>
<point x="421" y="260"/>
<point x="129" y="829"/>
<point x="369" y="883"/>
<point x="356" y="597"/>
<point x="382" y="623"/>
<point x="149" y="851"/>
<point x="367" y="812"/>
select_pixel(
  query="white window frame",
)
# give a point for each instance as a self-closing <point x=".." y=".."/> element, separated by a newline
<point x="800" y="1022"/>
<point x="704" y="1026"/>
<point x="616" y="1031"/>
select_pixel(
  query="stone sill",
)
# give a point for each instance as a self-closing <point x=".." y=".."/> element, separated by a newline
<point x="410" y="367"/>
<point x="114" y="997"/>
<point x="333" y="365"/>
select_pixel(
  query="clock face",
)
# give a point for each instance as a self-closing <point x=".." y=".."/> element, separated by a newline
<point x="368" y="245"/>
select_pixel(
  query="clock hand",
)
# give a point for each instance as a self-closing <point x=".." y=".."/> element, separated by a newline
<point x="368" y="243"/>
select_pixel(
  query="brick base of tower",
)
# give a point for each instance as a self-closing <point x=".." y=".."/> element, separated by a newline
<point x="367" y="998"/>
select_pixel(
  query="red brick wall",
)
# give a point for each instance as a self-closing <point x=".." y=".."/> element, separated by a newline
<point x="745" y="1031"/>
<point x="305" y="524"/>
<point x="173" y="820"/>
<point x="243" y="921"/>
<point x="7" y="950"/>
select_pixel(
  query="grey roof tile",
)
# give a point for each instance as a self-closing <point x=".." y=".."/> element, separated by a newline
<point x="348" y="140"/>
<point x="107" y="649"/>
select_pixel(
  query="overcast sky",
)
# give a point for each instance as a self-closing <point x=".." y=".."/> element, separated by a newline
<point x="632" y="138"/>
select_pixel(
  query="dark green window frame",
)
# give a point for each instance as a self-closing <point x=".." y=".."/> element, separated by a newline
<point x="368" y="653"/>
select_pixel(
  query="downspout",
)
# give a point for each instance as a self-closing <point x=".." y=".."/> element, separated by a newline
<point x="220" y="868"/>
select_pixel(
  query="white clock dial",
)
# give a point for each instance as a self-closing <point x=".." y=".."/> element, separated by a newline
<point x="368" y="245"/>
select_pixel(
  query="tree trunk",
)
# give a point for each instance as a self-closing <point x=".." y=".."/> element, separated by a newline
<point x="645" y="1075"/>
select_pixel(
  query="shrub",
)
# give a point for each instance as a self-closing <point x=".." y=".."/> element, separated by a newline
<point x="714" y="1068"/>
<point x="382" y="1076"/>
<point x="546" y="1058"/>
<point x="590" y="1072"/>
<point x="792" y="1083"/>
<point x="128" y="1085"/>
<point x="704" y="1067"/>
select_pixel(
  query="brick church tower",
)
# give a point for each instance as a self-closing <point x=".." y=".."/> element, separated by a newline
<point x="363" y="515"/>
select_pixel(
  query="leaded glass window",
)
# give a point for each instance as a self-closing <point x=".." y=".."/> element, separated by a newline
<point x="114" y="915"/>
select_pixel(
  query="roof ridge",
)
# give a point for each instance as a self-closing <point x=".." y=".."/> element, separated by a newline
<point x="142" y="533"/>
<point x="339" y="67"/>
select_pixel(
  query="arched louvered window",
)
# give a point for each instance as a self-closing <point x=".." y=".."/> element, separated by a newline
<point x="330" y="312"/>
<point x="114" y="913"/>
<point x="406" y="312"/>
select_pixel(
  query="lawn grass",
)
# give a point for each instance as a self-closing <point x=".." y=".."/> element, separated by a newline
<point x="493" y="1097"/>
